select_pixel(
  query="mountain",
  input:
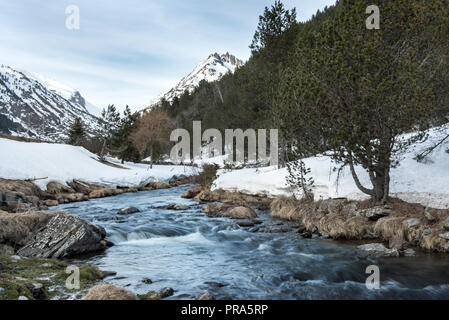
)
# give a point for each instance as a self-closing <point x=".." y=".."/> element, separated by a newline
<point x="35" y="107"/>
<point x="210" y="70"/>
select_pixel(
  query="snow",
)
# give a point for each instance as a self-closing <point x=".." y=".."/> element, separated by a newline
<point x="64" y="163"/>
<point x="426" y="182"/>
<point x="210" y="70"/>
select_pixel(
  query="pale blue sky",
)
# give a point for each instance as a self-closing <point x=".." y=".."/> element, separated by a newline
<point x="128" y="51"/>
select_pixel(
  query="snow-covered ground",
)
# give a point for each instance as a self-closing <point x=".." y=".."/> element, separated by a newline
<point x="425" y="183"/>
<point x="63" y="163"/>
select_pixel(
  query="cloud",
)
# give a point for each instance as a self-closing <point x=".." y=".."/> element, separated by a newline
<point x="128" y="52"/>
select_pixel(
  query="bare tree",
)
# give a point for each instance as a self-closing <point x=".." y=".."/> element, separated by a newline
<point x="153" y="130"/>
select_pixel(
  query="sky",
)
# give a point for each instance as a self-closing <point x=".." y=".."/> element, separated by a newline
<point x="127" y="52"/>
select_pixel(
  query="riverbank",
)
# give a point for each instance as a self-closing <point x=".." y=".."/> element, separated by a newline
<point x="400" y="225"/>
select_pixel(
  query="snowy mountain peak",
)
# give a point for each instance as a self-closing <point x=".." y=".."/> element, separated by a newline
<point x="210" y="70"/>
<point x="35" y="107"/>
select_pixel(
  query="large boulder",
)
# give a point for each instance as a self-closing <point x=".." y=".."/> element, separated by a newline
<point x="109" y="292"/>
<point x="375" y="250"/>
<point x="230" y="211"/>
<point x="65" y="236"/>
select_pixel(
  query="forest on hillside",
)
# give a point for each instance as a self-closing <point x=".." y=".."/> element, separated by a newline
<point x="330" y="84"/>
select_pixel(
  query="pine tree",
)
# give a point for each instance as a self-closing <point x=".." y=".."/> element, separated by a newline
<point x="354" y="91"/>
<point x="76" y="132"/>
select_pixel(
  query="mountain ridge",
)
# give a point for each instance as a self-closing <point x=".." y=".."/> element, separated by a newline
<point x="213" y="68"/>
<point x="33" y="107"/>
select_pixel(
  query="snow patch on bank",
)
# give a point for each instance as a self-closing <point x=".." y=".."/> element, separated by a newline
<point x="426" y="182"/>
<point x="64" y="163"/>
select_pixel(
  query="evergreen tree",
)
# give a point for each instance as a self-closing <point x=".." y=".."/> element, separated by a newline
<point x="109" y="124"/>
<point x="354" y="91"/>
<point x="76" y="132"/>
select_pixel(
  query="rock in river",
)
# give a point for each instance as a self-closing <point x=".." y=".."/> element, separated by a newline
<point x="376" y="250"/>
<point x="65" y="236"/>
<point x="129" y="210"/>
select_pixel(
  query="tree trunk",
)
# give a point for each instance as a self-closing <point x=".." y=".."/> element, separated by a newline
<point x="101" y="156"/>
<point x="151" y="161"/>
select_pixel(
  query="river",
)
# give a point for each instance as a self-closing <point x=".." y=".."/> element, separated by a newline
<point x="194" y="254"/>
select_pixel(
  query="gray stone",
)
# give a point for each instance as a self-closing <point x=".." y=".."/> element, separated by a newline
<point x="411" y="223"/>
<point x="428" y="232"/>
<point x="166" y="292"/>
<point x="65" y="236"/>
<point x="245" y="223"/>
<point x="22" y="298"/>
<point x="177" y="207"/>
<point x="2" y="291"/>
<point x="147" y="281"/>
<point x="38" y="291"/>
<point x="445" y="236"/>
<point x="129" y="210"/>
<point x="374" y="214"/>
<point x="376" y="250"/>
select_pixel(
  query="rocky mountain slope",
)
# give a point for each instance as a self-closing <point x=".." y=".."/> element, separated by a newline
<point x="211" y="69"/>
<point x="35" y="107"/>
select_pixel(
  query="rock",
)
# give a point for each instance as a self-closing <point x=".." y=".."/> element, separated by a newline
<point x="409" y="253"/>
<point x="230" y="211"/>
<point x="22" y="298"/>
<point x="375" y="250"/>
<point x="2" y="291"/>
<point x="428" y="232"/>
<point x="412" y="223"/>
<point x="445" y="236"/>
<point x="129" y="210"/>
<point x="192" y="193"/>
<point x="374" y="214"/>
<point x="205" y="297"/>
<point x="307" y="235"/>
<point x="107" y="274"/>
<point x="428" y="214"/>
<point x="178" y="180"/>
<point x="16" y="258"/>
<point x="166" y="292"/>
<point x="446" y="224"/>
<point x="38" y="291"/>
<point x="64" y="236"/>
<point x="245" y="223"/>
<point x="47" y="265"/>
<point x="177" y="207"/>
<point x="147" y="281"/>
<point x="109" y="292"/>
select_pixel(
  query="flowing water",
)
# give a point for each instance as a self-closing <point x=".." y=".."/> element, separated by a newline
<point x="194" y="254"/>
